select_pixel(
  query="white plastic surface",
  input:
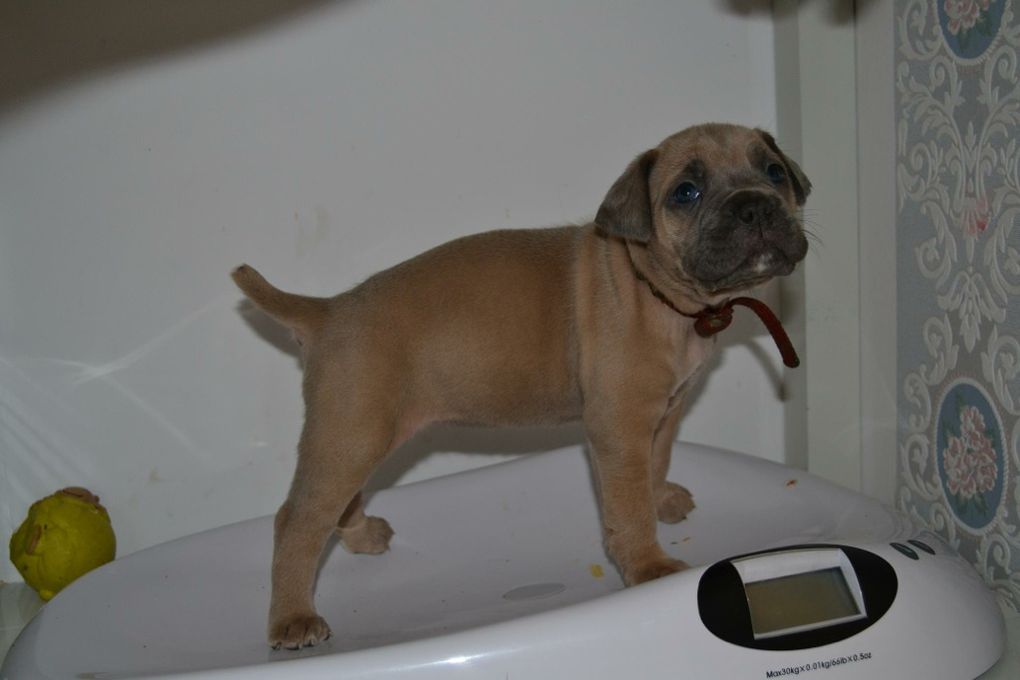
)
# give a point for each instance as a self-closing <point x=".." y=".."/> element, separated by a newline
<point x="500" y="572"/>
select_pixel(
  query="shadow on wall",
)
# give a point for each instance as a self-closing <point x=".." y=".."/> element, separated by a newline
<point x="48" y="43"/>
<point x="499" y="441"/>
<point x="840" y="11"/>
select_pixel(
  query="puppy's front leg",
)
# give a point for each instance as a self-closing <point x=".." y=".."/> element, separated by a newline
<point x="621" y="453"/>
<point x="672" y="501"/>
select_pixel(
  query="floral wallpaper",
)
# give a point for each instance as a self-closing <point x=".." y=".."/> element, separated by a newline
<point x="958" y="276"/>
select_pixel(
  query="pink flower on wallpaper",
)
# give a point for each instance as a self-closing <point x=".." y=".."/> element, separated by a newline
<point x="970" y="458"/>
<point x="974" y="214"/>
<point x="963" y="14"/>
<point x="972" y="423"/>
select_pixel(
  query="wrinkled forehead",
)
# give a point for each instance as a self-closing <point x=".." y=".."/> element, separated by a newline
<point x="709" y="149"/>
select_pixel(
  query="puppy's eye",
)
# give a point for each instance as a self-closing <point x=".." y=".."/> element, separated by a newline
<point x="686" y="193"/>
<point x="776" y="173"/>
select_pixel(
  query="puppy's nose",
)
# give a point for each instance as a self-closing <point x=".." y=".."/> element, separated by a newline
<point x="752" y="208"/>
<point x="748" y="214"/>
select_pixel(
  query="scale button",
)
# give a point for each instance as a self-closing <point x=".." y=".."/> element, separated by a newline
<point x="921" y="546"/>
<point x="905" y="550"/>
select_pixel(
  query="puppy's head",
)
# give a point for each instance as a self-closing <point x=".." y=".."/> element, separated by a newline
<point x="716" y="208"/>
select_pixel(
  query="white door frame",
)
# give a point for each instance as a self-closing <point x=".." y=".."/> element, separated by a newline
<point x="835" y="98"/>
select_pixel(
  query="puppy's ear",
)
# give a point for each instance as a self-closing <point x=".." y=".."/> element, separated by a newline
<point x="801" y="184"/>
<point x="626" y="210"/>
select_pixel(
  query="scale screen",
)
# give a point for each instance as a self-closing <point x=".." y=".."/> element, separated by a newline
<point x="799" y="600"/>
<point x="800" y="590"/>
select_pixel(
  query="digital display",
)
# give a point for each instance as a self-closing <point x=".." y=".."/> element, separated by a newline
<point x="800" y="601"/>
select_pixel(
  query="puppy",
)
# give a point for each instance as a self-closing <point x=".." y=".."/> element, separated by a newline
<point x="535" y="326"/>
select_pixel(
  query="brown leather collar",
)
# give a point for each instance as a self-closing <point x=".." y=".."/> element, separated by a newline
<point x="712" y="320"/>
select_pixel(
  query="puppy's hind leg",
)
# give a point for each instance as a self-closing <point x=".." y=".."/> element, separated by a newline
<point x="361" y="533"/>
<point x="338" y="449"/>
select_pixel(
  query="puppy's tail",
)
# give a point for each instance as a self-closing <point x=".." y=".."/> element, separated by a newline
<point x="300" y="313"/>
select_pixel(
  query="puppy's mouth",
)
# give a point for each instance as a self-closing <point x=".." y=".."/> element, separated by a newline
<point x="725" y="267"/>
<point x="753" y="271"/>
<point x="771" y="261"/>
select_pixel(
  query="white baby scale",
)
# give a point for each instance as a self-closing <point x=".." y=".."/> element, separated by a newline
<point x="500" y="573"/>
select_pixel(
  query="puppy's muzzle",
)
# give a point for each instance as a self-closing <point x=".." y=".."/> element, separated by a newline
<point x="750" y="235"/>
<point x="754" y="210"/>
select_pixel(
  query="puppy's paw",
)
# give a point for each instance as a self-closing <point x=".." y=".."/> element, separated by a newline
<point x="674" y="503"/>
<point x="371" y="537"/>
<point x="295" y="632"/>
<point x="653" y="569"/>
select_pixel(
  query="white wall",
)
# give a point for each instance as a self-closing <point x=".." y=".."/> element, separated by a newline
<point x="320" y="146"/>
